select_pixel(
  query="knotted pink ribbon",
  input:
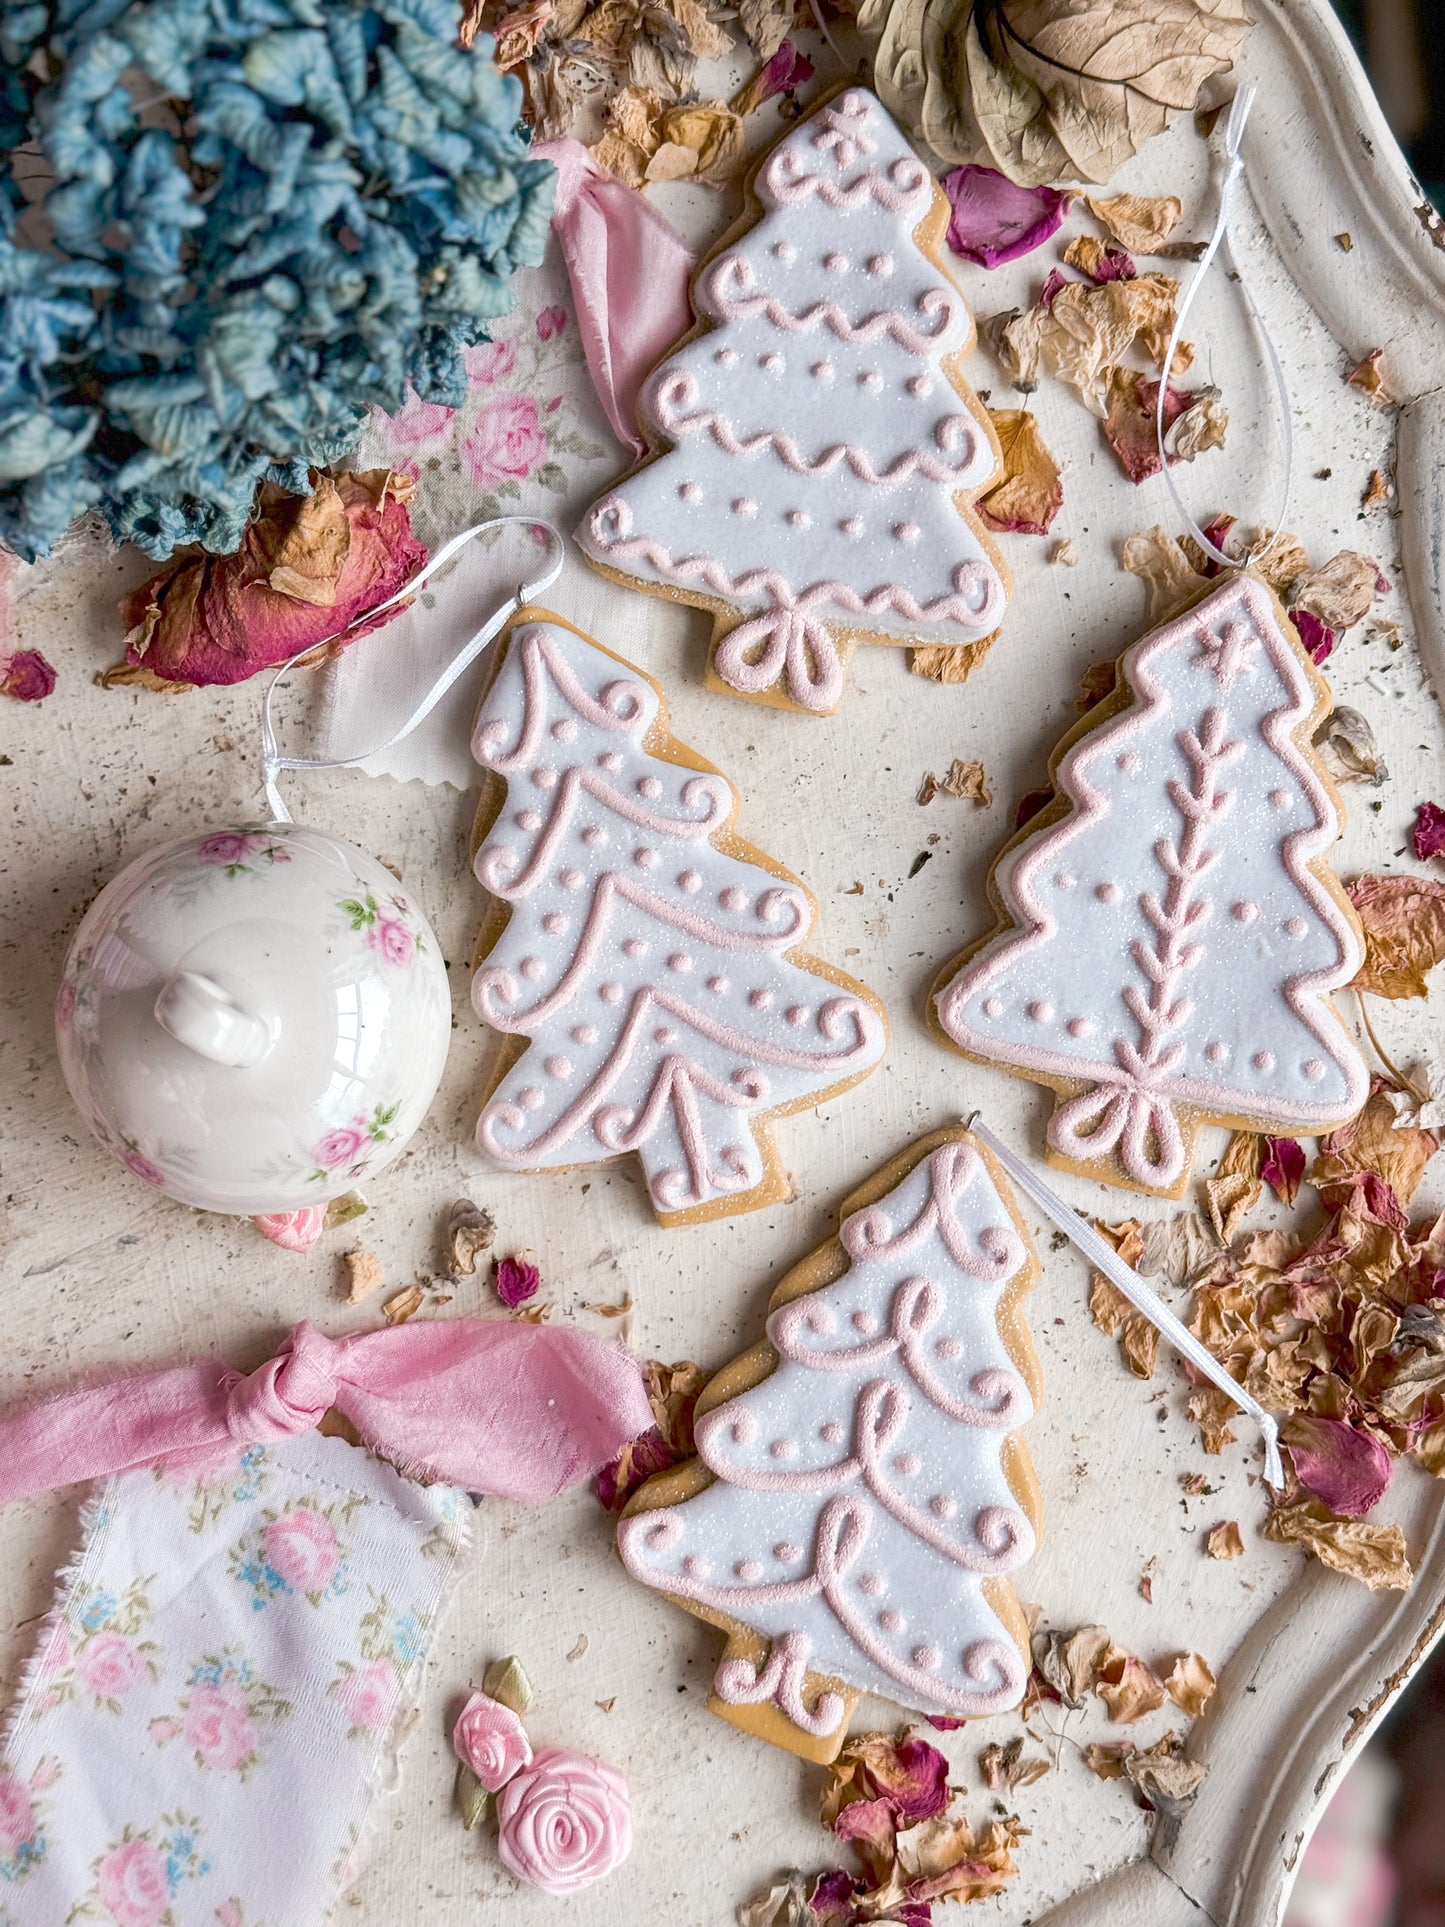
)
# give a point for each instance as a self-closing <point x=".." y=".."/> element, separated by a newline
<point x="487" y="1404"/>
<point x="629" y="274"/>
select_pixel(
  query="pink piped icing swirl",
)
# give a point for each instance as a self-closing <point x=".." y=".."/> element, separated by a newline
<point x="564" y="1822"/>
<point x="490" y="1739"/>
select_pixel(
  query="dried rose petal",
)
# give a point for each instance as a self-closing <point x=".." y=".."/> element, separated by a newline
<point x="1318" y="638"/>
<point x="994" y="221"/>
<point x="1030" y="492"/>
<point x="1428" y="836"/>
<point x="1130" y="426"/>
<point x="1100" y="260"/>
<point x="1345" y="1468"/>
<point x="634" y="1464"/>
<point x="1054" y="282"/>
<point x="832" y="1901"/>
<point x="1404" y="923"/>
<point x="1282" y="1167"/>
<point x="788" y="70"/>
<point x="26" y="676"/>
<point x="516" y="1280"/>
<point x="1029" y="805"/>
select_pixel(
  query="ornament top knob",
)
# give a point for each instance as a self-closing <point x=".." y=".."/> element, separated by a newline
<point x="203" y="1017"/>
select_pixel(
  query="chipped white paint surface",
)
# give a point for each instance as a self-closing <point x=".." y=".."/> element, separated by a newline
<point x="98" y="1271"/>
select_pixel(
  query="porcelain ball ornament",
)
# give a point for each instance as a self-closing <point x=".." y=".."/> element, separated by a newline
<point x="254" y="1019"/>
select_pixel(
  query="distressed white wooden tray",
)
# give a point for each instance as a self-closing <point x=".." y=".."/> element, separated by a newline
<point x="97" y="1271"/>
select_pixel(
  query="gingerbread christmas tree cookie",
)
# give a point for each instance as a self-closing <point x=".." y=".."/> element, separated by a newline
<point x="646" y="964"/>
<point x="1170" y="930"/>
<point x="815" y="449"/>
<point x="860" y="1491"/>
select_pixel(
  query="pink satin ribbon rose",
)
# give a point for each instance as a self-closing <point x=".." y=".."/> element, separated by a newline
<point x="564" y="1822"/>
<point x="490" y="1739"/>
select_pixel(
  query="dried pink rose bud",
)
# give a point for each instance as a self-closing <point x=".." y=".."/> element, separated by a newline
<point x="516" y="1281"/>
<point x="490" y="1739"/>
<point x="564" y="1822"/>
<point x="26" y="676"/>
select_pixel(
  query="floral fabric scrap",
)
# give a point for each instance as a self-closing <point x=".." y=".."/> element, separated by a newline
<point x="225" y="1642"/>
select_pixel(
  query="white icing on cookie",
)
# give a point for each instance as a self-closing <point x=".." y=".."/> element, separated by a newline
<point x="1196" y="948"/>
<point x="850" y="519"/>
<point x="859" y="1500"/>
<point x="651" y="970"/>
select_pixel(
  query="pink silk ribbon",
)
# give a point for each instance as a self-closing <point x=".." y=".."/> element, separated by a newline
<point x="488" y="1404"/>
<point x="629" y="273"/>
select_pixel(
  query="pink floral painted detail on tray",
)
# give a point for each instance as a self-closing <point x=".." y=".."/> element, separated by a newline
<point x="564" y="1822"/>
<point x="550" y="323"/>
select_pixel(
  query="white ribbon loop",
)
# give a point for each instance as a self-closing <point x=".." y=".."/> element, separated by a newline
<point x="1219" y="243"/>
<point x="1103" y="1257"/>
<point x="273" y="762"/>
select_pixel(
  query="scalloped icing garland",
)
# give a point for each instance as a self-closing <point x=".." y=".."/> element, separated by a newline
<point x="821" y="312"/>
<point x="1199" y="947"/>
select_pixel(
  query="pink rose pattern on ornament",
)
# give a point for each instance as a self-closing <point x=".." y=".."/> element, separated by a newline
<point x="171" y="1717"/>
<point x="347" y="1147"/>
<point x="386" y="924"/>
<point x="242" y="852"/>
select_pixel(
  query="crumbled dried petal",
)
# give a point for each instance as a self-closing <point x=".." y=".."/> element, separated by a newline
<point x="942" y="1859"/>
<point x="1369" y="378"/>
<point x="1031" y="491"/>
<point x="784" y="73"/>
<point x="403" y="1304"/>
<point x="1428" y="836"/>
<point x="1190" y="1683"/>
<point x="1404" y="925"/>
<point x="698" y="143"/>
<point x="630" y="138"/>
<point x="1127" y="1686"/>
<point x="1173" y="581"/>
<point x="1106" y="1757"/>
<point x="470" y="1231"/>
<point x="1130" y="425"/>
<point x="1053" y="281"/>
<point x="1223" y="1541"/>
<point x="1282" y="1166"/>
<point x="968" y="781"/>
<point x="783" y="1904"/>
<point x="1015" y="341"/>
<point x="26" y="676"/>
<point x="1373" y="1145"/>
<point x="1421" y="1105"/>
<point x="1236" y="1186"/>
<point x="908" y="1775"/>
<point x="1065" y="552"/>
<point x="1341" y="592"/>
<point x="1378" y="490"/>
<point x="994" y="221"/>
<point x="1098" y="682"/>
<point x="948" y="661"/>
<point x="1175" y="1248"/>
<point x="515" y="1279"/>
<point x="765" y="23"/>
<point x="1373" y="1554"/>
<point x="1348" y="749"/>
<point x="1100" y="260"/>
<point x="1346" y="1468"/>
<point x="1203" y="425"/>
<point x="1163" y="1778"/>
<point x="365" y="1274"/>
<point x="1004" y="1767"/>
<point x="1089" y="330"/>
<point x="1139" y="222"/>
<point x="1069" y="1661"/>
<point x="672" y="1391"/>
<point x="1029" y="805"/>
<point x="1212" y="1410"/>
<point x="308" y="568"/>
<point x="1318" y="638"/>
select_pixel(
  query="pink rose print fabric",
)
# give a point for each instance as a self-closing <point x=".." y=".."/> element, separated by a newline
<point x="215" y="1697"/>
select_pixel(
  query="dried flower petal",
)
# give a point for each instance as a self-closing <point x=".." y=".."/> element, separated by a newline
<point x="672" y="1391"/>
<point x="515" y="1280"/>
<point x="1069" y="1662"/>
<point x="1106" y="1757"/>
<point x="1348" y="748"/>
<point x="1404" y="924"/>
<point x="1223" y="1541"/>
<point x="403" y="1304"/>
<point x="1089" y="330"/>
<point x="365" y="1274"/>
<point x="784" y="73"/>
<point x="1029" y="805"/>
<point x="26" y="676"/>
<point x="1203" y="425"/>
<point x="470" y="1231"/>
<point x="1139" y="222"/>
<point x="1157" y="556"/>
<point x="698" y="143"/>
<point x="1015" y="341"/>
<point x="908" y="1776"/>
<point x="1190" y="1683"/>
<point x="1428" y="835"/>
<point x="1031" y="491"/>
<point x="783" y="1904"/>
<point x="1373" y="1554"/>
<point x="1368" y="377"/>
<point x="1100" y="260"/>
<point x="1378" y="490"/>
<point x="1318" y="638"/>
<point x="1127" y="1687"/>
<point x="943" y="1859"/>
<point x="994" y="221"/>
<point x="1341" y="592"/>
<point x="968" y="781"/>
<point x="1065" y="552"/>
<point x="1130" y="425"/>
<point x="1374" y="1146"/>
<point x="1282" y="1166"/>
<point x="1345" y="1468"/>
<point x="308" y="568"/>
<point x="1163" y="1778"/>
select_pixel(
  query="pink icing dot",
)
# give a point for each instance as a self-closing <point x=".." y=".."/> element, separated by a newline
<point x="760" y="999"/>
<point x="745" y="505"/>
<point x="696" y="1568"/>
<point x="530" y="1099"/>
<point x="594" y="836"/>
<point x="664" y="1034"/>
<point x="880" y="264"/>
<point x="645" y="858"/>
<point x="863" y="1321"/>
<point x="1314" y="1069"/>
<point x="786" y="1553"/>
<point x="610" y="759"/>
<point x="870" y="1584"/>
<point x="680" y="962"/>
<point x="744" y="1428"/>
<point x="1281" y="799"/>
<point x="545" y="778"/>
<point x="1063" y="880"/>
<point x="993" y="1007"/>
<point x="584" y="1033"/>
<point x="925" y="1657"/>
<point x="1295" y="927"/>
<point x="1263" y="1060"/>
<point x="1244" y="912"/>
<point x="772" y="362"/>
<point x="564" y="729"/>
<point x="749" y="1571"/>
<point x="1216" y="1052"/>
<point x="610" y="993"/>
<point x="1108" y="892"/>
<point x="852" y="525"/>
<point x="554" y="923"/>
<point x="1041" y="1011"/>
<point x="725" y="357"/>
<point x="949" y="1347"/>
<point x="733" y="898"/>
<point x="531" y="966"/>
<point x="649" y="786"/>
<point x="570" y="879"/>
<point x="891" y="1620"/>
<point x="783" y="1449"/>
<point x="1080" y="1027"/>
<point x="919" y="385"/>
<point x="799" y="519"/>
<point x="836" y="263"/>
<point x="689" y="491"/>
<point x="870" y="378"/>
<point x="690" y="881"/>
<point x="784" y="251"/>
<point x="822" y="371"/>
<point x="1129" y="763"/>
<point x="558" y="1067"/>
<point x="942" y="1506"/>
<point x="634" y="946"/>
<point x="528" y="820"/>
<point x="907" y="531"/>
<point x="717" y="985"/>
<point x="908" y="1463"/>
<point x="831" y="1433"/>
<point x="797" y="1014"/>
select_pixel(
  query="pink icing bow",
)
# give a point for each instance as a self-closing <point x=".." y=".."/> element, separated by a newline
<point x="519" y="1411"/>
<point x="629" y="274"/>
